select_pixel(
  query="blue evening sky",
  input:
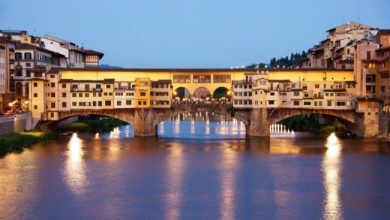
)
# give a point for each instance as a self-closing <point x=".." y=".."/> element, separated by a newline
<point x="190" y="33"/>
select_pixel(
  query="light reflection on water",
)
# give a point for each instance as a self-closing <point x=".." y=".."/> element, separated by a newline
<point x="110" y="176"/>
<point x="228" y="177"/>
<point x="75" y="169"/>
<point x="201" y="126"/>
<point x="331" y="168"/>
<point x="174" y="179"/>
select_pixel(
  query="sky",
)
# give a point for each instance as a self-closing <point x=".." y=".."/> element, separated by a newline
<point x="190" y="33"/>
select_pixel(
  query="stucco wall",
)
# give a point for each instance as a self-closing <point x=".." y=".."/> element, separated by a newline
<point x="15" y="123"/>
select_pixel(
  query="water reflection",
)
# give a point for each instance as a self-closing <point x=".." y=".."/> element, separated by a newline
<point x="75" y="169"/>
<point x="229" y="165"/>
<point x="331" y="167"/>
<point x="201" y="126"/>
<point x="174" y="179"/>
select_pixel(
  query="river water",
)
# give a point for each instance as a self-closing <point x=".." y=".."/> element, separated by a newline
<point x="211" y="172"/>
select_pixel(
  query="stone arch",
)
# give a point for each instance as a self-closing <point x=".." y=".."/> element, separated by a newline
<point x="240" y="117"/>
<point x="182" y="93"/>
<point x="221" y="93"/>
<point x="347" y="117"/>
<point x="202" y="93"/>
<point x="127" y="117"/>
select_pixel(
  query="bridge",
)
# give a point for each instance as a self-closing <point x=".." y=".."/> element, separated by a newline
<point x="257" y="121"/>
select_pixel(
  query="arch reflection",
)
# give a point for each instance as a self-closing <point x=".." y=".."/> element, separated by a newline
<point x="75" y="169"/>
<point x="331" y="167"/>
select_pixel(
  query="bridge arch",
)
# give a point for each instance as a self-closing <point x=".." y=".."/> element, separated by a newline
<point x="346" y="117"/>
<point x="219" y="109"/>
<point x="182" y="93"/>
<point x="124" y="116"/>
<point x="202" y="93"/>
<point x="221" y="93"/>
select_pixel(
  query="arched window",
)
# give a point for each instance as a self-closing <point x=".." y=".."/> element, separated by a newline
<point x="19" y="70"/>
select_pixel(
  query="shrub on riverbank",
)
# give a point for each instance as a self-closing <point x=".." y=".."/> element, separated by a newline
<point x="93" y="125"/>
<point x="17" y="142"/>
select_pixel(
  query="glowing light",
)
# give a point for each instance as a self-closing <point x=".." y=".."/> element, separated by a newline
<point x="228" y="181"/>
<point x="75" y="170"/>
<point x="176" y="166"/>
<point x="331" y="166"/>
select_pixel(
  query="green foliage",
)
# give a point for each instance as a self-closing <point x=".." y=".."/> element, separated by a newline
<point x="92" y="125"/>
<point x="17" y="142"/>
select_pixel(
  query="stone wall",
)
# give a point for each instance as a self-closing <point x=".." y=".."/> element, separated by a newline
<point x="15" y="123"/>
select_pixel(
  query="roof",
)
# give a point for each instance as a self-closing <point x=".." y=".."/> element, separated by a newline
<point x="23" y="46"/>
<point x="165" y="81"/>
<point x="93" y="52"/>
<point x="372" y="99"/>
<point x="383" y="32"/>
<point x="383" y="48"/>
<point x="279" y="80"/>
<point x="199" y="70"/>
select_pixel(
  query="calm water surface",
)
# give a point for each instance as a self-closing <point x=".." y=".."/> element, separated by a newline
<point x="212" y="173"/>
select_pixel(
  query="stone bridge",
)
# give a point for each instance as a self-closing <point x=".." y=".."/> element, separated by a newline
<point x="257" y="121"/>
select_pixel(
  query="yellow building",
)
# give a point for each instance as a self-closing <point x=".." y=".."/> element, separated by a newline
<point x="327" y="89"/>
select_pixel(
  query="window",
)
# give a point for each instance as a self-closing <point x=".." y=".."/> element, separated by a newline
<point x="139" y="103"/>
<point x="52" y="85"/>
<point x="107" y="103"/>
<point x="86" y="87"/>
<point x="368" y="55"/>
<point x="28" y="72"/>
<point x="202" y="79"/>
<point x="271" y="102"/>
<point x="296" y="103"/>
<point x="182" y="79"/>
<point x="53" y="105"/>
<point x="128" y="102"/>
<point x="63" y="104"/>
<point x="52" y="76"/>
<point x="80" y="94"/>
<point x="63" y="95"/>
<point x="296" y="93"/>
<point x="118" y="103"/>
<point x="306" y="103"/>
<point x="18" y="56"/>
<point x="35" y="106"/>
<point x="74" y="95"/>
<point x="142" y="93"/>
<point x="98" y="86"/>
<point x="99" y="103"/>
<point x="74" y="103"/>
<point x="272" y="94"/>
<point x="27" y="56"/>
<point x="53" y="95"/>
<point x="63" y="85"/>
<point x="35" y="95"/>
<point x="221" y="79"/>
<point x="35" y="84"/>
<point x="317" y="86"/>
<point x="108" y="86"/>
<point x="329" y="103"/>
<point x="94" y="103"/>
<point x="86" y="95"/>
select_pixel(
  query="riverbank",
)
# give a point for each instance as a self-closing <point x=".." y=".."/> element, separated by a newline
<point x="91" y="125"/>
<point x="17" y="142"/>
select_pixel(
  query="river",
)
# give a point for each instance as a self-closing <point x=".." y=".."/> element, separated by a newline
<point x="197" y="170"/>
